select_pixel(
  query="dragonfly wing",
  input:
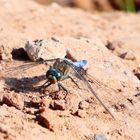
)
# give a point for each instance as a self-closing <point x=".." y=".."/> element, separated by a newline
<point x="83" y="78"/>
<point x="80" y="64"/>
<point x="90" y="78"/>
<point x="24" y="65"/>
<point x="14" y="67"/>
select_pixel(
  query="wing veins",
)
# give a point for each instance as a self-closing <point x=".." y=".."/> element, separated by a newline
<point x="90" y="88"/>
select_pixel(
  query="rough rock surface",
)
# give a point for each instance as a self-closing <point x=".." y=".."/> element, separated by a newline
<point x="45" y="49"/>
<point x="84" y="35"/>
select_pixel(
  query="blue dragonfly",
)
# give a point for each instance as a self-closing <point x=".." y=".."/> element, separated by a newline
<point x="60" y="71"/>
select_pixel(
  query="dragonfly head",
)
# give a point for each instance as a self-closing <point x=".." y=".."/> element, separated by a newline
<point x="53" y="75"/>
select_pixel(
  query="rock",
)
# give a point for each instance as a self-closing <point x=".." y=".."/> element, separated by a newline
<point x="137" y="75"/>
<point x="72" y="102"/>
<point x="137" y="95"/>
<point x="128" y="55"/>
<point x="137" y="72"/>
<point x="31" y="111"/>
<point x="35" y="102"/>
<point x="45" y="120"/>
<point x="50" y="120"/>
<point x="83" y="105"/>
<point x="1" y="97"/>
<point x="119" y="106"/>
<point x="59" y="105"/>
<point x="44" y="105"/>
<point x="100" y="137"/>
<point x="5" y="53"/>
<point x="12" y="99"/>
<point x="45" y="49"/>
<point x="81" y="113"/>
<point x="111" y="46"/>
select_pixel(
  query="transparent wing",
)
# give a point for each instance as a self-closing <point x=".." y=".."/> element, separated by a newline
<point x="79" y="74"/>
<point x="25" y="66"/>
<point x="80" y="64"/>
<point x="91" y="79"/>
<point x="22" y="75"/>
<point x="79" y="68"/>
<point x="14" y="66"/>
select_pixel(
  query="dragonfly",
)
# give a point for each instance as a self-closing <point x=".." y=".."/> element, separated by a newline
<point x="60" y="70"/>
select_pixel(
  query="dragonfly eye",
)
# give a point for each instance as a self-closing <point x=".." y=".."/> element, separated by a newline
<point x="53" y="74"/>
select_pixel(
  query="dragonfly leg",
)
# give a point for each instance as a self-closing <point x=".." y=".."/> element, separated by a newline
<point x="45" y="83"/>
<point x="74" y="81"/>
<point x="60" y="86"/>
<point x="44" y="86"/>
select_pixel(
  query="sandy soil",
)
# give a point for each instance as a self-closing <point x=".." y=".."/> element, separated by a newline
<point x="110" y="44"/>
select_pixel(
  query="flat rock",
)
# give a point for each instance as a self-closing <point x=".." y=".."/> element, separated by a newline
<point x="45" y="49"/>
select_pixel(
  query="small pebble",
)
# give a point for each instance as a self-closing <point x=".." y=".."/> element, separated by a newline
<point x="59" y="105"/>
<point x="44" y="105"/>
<point x="137" y="95"/>
<point x="100" y="137"/>
<point x="128" y="55"/>
<point x="54" y="39"/>
<point x="81" y="113"/>
<point x="119" y="106"/>
<point x="46" y="120"/>
<point x="83" y="105"/>
<point x="110" y="46"/>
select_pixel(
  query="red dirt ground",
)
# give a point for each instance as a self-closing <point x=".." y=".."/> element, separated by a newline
<point x="110" y="44"/>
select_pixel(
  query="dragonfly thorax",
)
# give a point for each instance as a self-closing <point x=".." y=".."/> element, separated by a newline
<point x="53" y="75"/>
